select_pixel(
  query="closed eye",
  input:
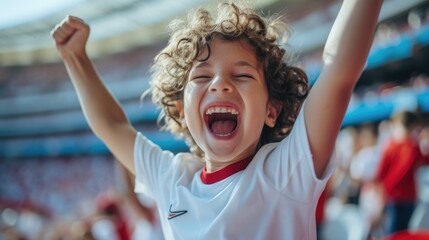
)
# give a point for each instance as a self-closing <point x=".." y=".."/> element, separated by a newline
<point x="244" y="76"/>
<point x="200" y="78"/>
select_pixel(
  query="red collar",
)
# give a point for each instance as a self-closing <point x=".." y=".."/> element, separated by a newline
<point x="221" y="174"/>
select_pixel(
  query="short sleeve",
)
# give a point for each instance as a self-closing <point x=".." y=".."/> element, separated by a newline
<point x="149" y="161"/>
<point x="290" y="164"/>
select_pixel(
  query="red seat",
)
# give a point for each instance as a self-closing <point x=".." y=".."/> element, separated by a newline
<point x="408" y="235"/>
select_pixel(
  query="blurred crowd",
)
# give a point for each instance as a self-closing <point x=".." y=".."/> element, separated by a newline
<point x="381" y="183"/>
<point x="90" y="207"/>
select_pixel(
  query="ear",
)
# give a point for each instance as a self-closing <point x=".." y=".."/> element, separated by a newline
<point x="179" y="106"/>
<point x="273" y="110"/>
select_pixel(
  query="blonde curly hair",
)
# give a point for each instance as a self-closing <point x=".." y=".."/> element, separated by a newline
<point x="286" y="84"/>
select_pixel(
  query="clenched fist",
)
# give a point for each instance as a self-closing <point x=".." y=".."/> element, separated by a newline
<point x="70" y="36"/>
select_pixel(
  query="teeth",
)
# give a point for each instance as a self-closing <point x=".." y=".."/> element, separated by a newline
<point x="224" y="135"/>
<point x="221" y="110"/>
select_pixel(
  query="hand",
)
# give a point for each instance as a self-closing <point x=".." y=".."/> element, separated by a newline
<point x="70" y="36"/>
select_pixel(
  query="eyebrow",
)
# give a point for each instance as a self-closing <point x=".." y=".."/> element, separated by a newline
<point x="241" y="63"/>
<point x="202" y="64"/>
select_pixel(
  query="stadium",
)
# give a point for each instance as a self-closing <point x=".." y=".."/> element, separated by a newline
<point x="59" y="180"/>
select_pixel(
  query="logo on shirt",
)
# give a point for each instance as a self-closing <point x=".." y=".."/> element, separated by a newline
<point x="172" y="214"/>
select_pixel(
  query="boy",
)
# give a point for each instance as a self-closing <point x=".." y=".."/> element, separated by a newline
<point x="224" y="86"/>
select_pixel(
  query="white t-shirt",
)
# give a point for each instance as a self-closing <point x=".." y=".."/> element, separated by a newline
<point x="274" y="197"/>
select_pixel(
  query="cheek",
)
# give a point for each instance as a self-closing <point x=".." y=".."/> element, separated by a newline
<point x="190" y="97"/>
<point x="186" y="91"/>
<point x="191" y="102"/>
<point x="258" y="108"/>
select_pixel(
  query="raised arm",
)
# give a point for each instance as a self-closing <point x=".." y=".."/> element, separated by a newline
<point x="102" y="111"/>
<point x="344" y="58"/>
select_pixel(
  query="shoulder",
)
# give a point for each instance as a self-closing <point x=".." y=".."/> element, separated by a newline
<point x="189" y="161"/>
<point x="147" y="154"/>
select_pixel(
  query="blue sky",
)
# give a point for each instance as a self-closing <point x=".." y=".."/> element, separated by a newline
<point x="15" y="12"/>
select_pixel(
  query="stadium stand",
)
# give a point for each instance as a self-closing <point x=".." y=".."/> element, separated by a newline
<point x="53" y="167"/>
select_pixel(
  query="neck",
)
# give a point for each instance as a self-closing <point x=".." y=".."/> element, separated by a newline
<point x="215" y="165"/>
<point x="223" y="173"/>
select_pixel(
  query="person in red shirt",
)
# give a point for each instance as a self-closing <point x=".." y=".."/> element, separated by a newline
<point x="110" y="220"/>
<point x="320" y="211"/>
<point x="396" y="172"/>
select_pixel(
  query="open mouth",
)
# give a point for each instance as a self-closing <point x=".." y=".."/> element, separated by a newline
<point x="222" y="121"/>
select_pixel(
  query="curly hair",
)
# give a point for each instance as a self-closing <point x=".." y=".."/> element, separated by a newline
<point x="287" y="85"/>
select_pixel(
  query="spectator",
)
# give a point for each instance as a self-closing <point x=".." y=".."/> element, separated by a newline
<point x="396" y="171"/>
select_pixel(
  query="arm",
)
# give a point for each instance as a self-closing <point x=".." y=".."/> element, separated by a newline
<point x="344" y="58"/>
<point x="140" y="209"/>
<point x="102" y="111"/>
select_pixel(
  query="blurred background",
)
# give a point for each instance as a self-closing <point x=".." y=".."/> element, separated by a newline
<point x="58" y="181"/>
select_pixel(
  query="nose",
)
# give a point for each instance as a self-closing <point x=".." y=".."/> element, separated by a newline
<point x="221" y="84"/>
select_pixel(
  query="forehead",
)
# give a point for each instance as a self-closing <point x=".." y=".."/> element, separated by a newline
<point x="237" y="52"/>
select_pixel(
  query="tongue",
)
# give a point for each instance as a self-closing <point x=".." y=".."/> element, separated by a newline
<point x="223" y="127"/>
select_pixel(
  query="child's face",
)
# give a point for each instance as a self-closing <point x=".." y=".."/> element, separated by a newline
<point x="226" y="102"/>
